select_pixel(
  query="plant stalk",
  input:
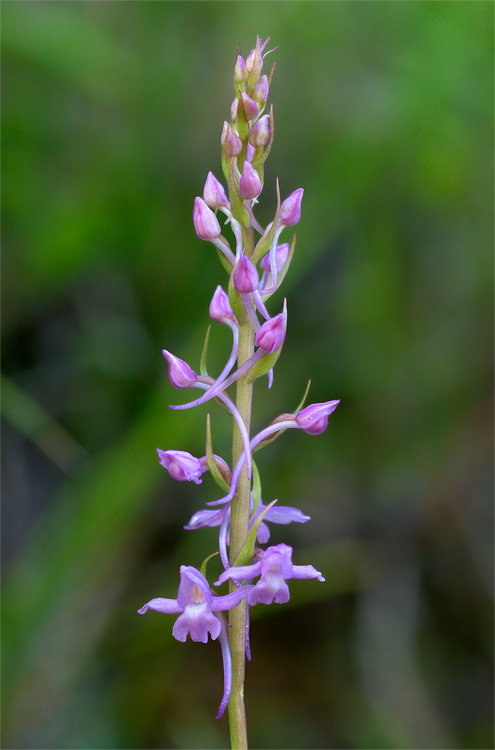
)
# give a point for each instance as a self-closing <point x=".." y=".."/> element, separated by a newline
<point x="238" y="533"/>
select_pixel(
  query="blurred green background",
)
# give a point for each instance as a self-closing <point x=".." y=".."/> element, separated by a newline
<point x="112" y="113"/>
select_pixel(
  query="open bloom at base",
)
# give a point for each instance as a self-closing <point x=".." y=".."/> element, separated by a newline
<point x="274" y="567"/>
<point x="182" y="465"/>
<point x="195" y="603"/>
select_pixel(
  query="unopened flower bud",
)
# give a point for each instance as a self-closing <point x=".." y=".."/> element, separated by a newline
<point x="260" y="132"/>
<point x="233" y="144"/>
<point x="179" y="372"/>
<point x="314" y="419"/>
<point x="281" y="255"/>
<point x="205" y="222"/>
<point x="250" y="152"/>
<point x="249" y="107"/>
<point x="290" y="210"/>
<point x="261" y="90"/>
<point x="271" y="334"/>
<point x="250" y="183"/>
<point x="220" y="309"/>
<point x="213" y="193"/>
<point x="181" y="465"/>
<point x="240" y="70"/>
<point x="254" y="62"/>
<point x="234" y="109"/>
<point x="245" y="276"/>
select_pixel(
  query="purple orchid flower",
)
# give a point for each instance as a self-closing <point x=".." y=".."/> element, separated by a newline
<point x="314" y="418"/>
<point x="195" y="605"/>
<point x="182" y="466"/>
<point x="275" y="567"/>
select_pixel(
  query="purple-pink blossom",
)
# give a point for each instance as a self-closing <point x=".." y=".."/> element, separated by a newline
<point x="274" y="567"/>
<point x="205" y="222"/>
<point x="290" y="210"/>
<point x="179" y="372"/>
<point x="181" y="465"/>
<point x="314" y="419"/>
<point x="271" y="334"/>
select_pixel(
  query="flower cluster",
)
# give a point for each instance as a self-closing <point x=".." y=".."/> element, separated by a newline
<point x="256" y="264"/>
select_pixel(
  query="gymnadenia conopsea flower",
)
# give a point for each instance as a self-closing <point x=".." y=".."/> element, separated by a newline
<point x="256" y="260"/>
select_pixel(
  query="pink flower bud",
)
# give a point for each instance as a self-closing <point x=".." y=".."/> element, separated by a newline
<point x="250" y="183"/>
<point x="314" y="419"/>
<point x="181" y="465"/>
<point x="233" y="144"/>
<point x="281" y="255"/>
<point x="245" y="276"/>
<point x="254" y="61"/>
<point x="271" y="334"/>
<point x="290" y="210"/>
<point x="240" y="70"/>
<point x="213" y="193"/>
<point x="220" y="309"/>
<point x="261" y="90"/>
<point x="179" y="372"/>
<point x="250" y="152"/>
<point x="234" y="109"/>
<point x="205" y="222"/>
<point x="249" y="106"/>
<point x="260" y="132"/>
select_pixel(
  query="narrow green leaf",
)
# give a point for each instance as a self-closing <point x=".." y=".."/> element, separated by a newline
<point x="301" y="403"/>
<point x="256" y="490"/>
<point x="266" y="239"/>
<point x="202" y="363"/>
<point x="214" y="471"/>
<point x="245" y="556"/>
<point x="206" y="561"/>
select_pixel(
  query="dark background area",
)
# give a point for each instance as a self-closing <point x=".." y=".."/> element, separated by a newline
<point x="112" y="114"/>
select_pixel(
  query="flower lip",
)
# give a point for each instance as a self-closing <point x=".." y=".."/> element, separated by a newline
<point x="314" y="418"/>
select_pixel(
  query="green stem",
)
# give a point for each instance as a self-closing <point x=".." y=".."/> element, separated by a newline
<point x="238" y="531"/>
